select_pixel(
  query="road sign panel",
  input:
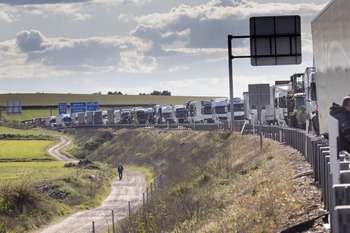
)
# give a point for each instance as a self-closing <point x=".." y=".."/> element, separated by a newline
<point x="62" y="108"/>
<point x="14" y="108"/>
<point x="77" y="107"/>
<point x="259" y="91"/>
<point x="92" y="106"/>
<point x="275" y="40"/>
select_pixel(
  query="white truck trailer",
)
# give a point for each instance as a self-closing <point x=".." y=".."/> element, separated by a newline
<point x="331" y="48"/>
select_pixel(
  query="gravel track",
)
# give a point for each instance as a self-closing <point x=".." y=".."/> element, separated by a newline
<point x="130" y="188"/>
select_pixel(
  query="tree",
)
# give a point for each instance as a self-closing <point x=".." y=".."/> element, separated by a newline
<point x="166" y="93"/>
<point x="156" y="93"/>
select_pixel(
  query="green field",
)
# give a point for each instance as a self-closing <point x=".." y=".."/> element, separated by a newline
<point x="54" y="99"/>
<point x="31" y="114"/>
<point x="33" y="172"/>
<point x="24" y="150"/>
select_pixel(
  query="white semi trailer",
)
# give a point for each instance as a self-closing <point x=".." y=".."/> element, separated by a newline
<point x="331" y="48"/>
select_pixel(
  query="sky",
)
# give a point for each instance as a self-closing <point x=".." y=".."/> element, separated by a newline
<point x="137" y="46"/>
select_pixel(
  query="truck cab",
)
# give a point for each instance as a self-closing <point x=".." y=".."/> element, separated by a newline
<point x="206" y="112"/>
<point x="238" y="109"/>
<point x="194" y="112"/>
<point x="139" y="115"/>
<point x="164" y="113"/>
<point x="311" y="97"/>
<point x="219" y="110"/>
<point x="180" y="114"/>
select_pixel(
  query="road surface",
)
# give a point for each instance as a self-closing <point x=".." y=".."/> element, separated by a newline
<point x="128" y="189"/>
<point x="123" y="191"/>
<point x="55" y="150"/>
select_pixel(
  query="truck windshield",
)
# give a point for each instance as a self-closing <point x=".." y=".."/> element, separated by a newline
<point x="167" y="115"/>
<point x="237" y="108"/>
<point x="299" y="102"/>
<point x="220" y="110"/>
<point x="180" y="113"/>
<point x="67" y="119"/>
<point x="282" y="102"/>
<point x="206" y="110"/>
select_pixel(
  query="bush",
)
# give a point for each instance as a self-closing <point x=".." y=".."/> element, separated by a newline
<point x="24" y="204"/>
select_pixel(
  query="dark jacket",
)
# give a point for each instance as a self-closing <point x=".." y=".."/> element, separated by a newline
<point x="343" y="118"/>
<point x="120" y="168"/>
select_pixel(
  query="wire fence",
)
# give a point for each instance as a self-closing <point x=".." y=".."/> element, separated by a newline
<point x="113" y="218"/>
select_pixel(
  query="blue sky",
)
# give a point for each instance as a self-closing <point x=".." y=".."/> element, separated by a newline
<point x="133" y="46"/>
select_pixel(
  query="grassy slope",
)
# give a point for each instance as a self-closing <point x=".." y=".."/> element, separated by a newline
<point x="54" y="99"/>
<point x="215" y="182"/>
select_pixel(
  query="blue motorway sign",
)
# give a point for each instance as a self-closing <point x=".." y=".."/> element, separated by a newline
<point x="77" y="107"/>
<point x="92" y="106"/>
<point x="62" y="108"/>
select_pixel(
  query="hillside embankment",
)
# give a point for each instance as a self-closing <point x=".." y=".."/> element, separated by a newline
<point x="211" y="181"/>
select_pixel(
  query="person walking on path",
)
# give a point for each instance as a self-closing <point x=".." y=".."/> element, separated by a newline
<point x="120" y="171"/>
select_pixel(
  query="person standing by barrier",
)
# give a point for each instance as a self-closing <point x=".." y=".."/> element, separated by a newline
<point x="302" y="117"/>
<point x="120" y="171"/>
<point x="342" y="114"/>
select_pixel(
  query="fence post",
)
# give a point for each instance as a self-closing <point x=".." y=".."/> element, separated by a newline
<point x="129" y="205"/>
<point x="113" y="227"/>
<point x="147" y="196"/>
<point x="143" y="198"/>
<point x="152" y="190"/>
<point x="155" y="185"/>
<point x="93" y="227"/>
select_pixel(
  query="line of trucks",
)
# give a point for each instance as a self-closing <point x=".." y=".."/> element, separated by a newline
<point x="287" y="97"/>
<point x="329" y="76"/>
<point x="211" y="111"/>
<point x="320" y="86"/>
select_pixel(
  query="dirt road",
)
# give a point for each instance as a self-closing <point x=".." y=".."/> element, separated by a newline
<point x="55" y="150"/>
<point x="128" y="189"/>
<point x="123" y="191"/>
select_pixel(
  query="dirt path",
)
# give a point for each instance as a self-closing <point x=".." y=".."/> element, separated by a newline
<point x="128" y="189"/>
<point x="55" y="150"/>
<point x="123" y="191"/>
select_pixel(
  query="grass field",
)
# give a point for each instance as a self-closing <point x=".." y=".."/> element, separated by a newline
<point x="35" y="132"/>
<point x="54" y="99"/>
<point x="23" y="150"/>
<point x="33" y="172"/>
<point x="31" y="114"/>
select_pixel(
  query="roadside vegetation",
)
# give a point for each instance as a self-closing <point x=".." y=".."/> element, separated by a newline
<point x="34" y="193"/>
<point x="212" y="181"/>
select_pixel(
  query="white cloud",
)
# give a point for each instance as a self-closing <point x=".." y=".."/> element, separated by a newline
<point x="207" y="25"/>
<point x="76" y="10"/>
<point x="126" y="18"/>
<point x="30" y="41"/>
<point x="135" y="62"/>
<point x="31" y="50"/>
<point x="8" y="14"/>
